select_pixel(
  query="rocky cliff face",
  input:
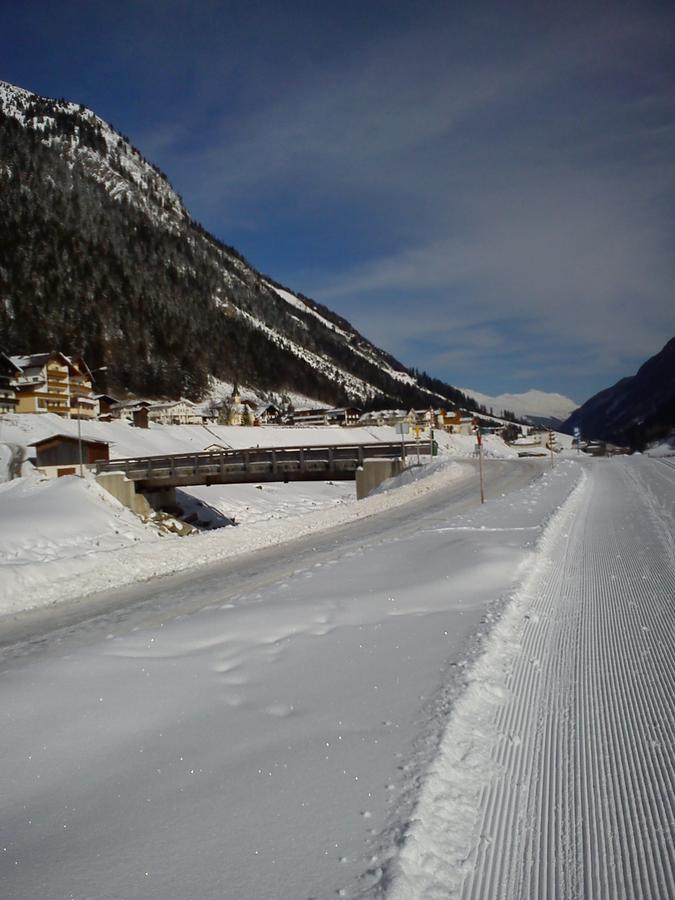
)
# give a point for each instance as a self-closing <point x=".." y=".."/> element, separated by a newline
<point x="99" y="256"/>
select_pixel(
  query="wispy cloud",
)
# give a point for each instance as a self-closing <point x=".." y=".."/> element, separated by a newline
<point x="503" y="171"/>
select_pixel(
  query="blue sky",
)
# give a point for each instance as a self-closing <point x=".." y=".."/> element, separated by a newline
<point x="484" y="190"/>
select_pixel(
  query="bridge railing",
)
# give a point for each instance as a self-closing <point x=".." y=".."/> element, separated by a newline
<point x="229" y="461"/>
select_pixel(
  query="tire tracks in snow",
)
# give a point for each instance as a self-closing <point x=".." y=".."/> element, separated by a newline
<point x="556" y="774"/>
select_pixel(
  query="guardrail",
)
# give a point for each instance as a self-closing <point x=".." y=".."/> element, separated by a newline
<point x="255" y="464"/>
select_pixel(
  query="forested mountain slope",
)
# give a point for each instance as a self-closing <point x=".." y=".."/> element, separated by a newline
<point x="637" y="409"/>
<point x="99" y="256"/>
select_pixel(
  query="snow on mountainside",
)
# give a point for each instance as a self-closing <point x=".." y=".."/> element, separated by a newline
<point x="531" y="404"/>
<point x="84" y="138"/>
<point x="103" y="259"/>
<point x="366" y="352"/>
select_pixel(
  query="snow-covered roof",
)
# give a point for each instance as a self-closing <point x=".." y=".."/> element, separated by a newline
<point x="129" y="404"/>
<point x="68" y="437"/>
<point x="35" y="359"/>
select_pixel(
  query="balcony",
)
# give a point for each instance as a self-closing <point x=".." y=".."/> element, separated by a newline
<point x="28" y="379"/>
<point x="57" y="392"/>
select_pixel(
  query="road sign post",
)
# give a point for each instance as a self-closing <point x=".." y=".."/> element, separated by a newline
<point x="431" y="434"/>
<point x="551" y="444"/>
<point x="402" y="428"/>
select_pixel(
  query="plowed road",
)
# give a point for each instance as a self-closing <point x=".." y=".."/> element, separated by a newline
<point x="563" y="784"/>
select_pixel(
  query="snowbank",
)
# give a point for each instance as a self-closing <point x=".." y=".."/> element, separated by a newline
<point x="67" y="537"/>
<point x="665" y="447"/>
<point x="5" y="456"/>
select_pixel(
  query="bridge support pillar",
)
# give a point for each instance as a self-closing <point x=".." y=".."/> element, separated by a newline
<point x="373" y="472"/>
<point x="124" y="490"/>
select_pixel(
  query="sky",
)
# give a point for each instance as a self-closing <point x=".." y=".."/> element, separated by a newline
<point x="485" y="190"/>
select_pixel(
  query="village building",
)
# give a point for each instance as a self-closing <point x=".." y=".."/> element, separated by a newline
<point x="105" y="403"/>
<point x="9" y="372"/>
<point x="53" y="382"/>
<point x="268" y="414"/>
<point x="449" y="420"/>
<point x="127" y="409"/>
<point x="163" y="412"/>
<point x="383" y="417"/>
<point x="236" y="411"/>
<point x="333" y="416"/>
<point x="175" y="412"/>
<point x="7" y="400"/>
<point x="139" y="416"/>
<point x="59" y="454"/>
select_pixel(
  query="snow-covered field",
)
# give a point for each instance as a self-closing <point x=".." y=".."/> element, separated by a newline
<point x="431" y="699"/>
<point x="125" y="440"/>
<point x="445" y="700"/>
<point x="67" y="537"/>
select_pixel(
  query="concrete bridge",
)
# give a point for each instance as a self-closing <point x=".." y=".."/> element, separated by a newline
<point x="157" y="477"/>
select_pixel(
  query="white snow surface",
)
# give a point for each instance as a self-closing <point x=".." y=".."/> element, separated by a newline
<point x="57" y="536"/>
<point x="664" y="447"/>
<point x="443" y="700"/>
<point x="561" y="746"/>
<point x="127" y="441"/>
<point x="252" y="749"/>
<point x="66" y="537"/>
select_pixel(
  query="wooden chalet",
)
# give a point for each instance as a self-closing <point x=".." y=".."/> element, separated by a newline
<point x="59" y="454"/>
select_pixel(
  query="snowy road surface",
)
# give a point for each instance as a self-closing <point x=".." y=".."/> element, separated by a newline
<point x="470" y="702"/>
<point x="555" y="777"/>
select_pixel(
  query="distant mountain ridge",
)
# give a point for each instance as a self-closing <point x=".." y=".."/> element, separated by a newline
<point x="636" y="410"/>
<point x="99" y="257"/>
<point x="537" y="406"/>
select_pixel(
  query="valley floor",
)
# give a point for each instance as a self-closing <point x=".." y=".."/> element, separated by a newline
<point x="64" y="538"/>
<point x="449" y="700"/>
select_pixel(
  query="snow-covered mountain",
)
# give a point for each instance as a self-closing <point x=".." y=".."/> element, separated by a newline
<point x="84" y="139"/>
<point x="99" y="256"/>
<point x="538" y="406"/>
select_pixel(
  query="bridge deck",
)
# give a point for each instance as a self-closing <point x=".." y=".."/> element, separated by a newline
<point x="256" y="464"/>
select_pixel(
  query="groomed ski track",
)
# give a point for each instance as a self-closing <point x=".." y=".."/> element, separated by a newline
<point x="555" y="775"/>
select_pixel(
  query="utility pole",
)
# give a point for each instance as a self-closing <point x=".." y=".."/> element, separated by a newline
<point x="79" y="418"/>
<point x="480" y="465"/>
<point x="479" y="444"/>
<point x="79" y="441"/>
